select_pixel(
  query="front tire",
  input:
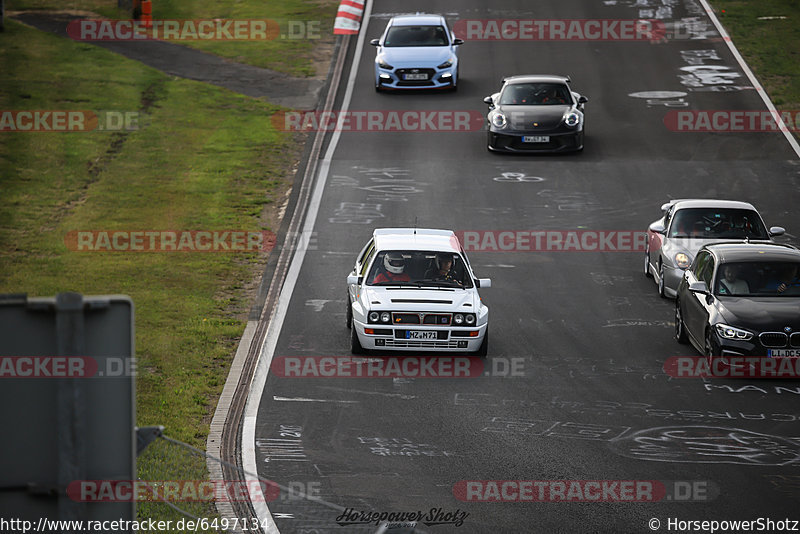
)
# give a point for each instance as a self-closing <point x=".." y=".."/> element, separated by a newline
<point x="680" y="328"/>
<point x="661" y="285"/>
<point x="349" y="312"/>
<point x="483" y="350"/>
<point x="355" y="344"/>
<point x="710" y="353"/>
<point x="647" y="272"/>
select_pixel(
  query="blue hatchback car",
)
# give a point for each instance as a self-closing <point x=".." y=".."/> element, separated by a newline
<point x="417" y="52"/>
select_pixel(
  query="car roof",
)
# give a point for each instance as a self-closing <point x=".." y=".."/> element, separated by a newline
<point x="681" y="203"/>
<point x="742" y="251"/>
<point x="415" y="239"/>
<point x="416" y="20"/>
<point x="527" y="78"/>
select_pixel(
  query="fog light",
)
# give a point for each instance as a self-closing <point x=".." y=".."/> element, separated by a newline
<point x="384" y="76"/>
<point x="447" y="75"/>
<point x="462" y="344"/>
<point x="380" y="342"/>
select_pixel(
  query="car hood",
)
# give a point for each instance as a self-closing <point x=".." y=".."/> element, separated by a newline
<point x="761" y="314"/>
<point x="523" y="117"/>
<point x="416" y="56"/>
<point x="408" y="299"/>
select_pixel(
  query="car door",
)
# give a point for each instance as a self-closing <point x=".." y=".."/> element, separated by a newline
<point x="362" y="262"/>
<point x="696" y="307"/>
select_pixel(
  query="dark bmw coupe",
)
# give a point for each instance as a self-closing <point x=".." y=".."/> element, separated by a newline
<point x="741" y="299"/>
<point x="535" y="113"/>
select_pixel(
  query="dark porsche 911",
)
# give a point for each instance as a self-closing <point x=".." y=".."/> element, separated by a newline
<point x="741" y="299"/>
<point x="535" y="113"/>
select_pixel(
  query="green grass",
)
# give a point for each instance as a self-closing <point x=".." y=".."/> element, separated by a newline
<point x="298" y="57"/>
<point x="204" y="158"/>
<point x="770" y="46"/>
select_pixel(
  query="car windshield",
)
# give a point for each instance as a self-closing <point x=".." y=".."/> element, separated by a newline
<point x="758" y="279"/>
<point x="416" y="36"/>
<point x="716" y="223"/>
<point x="420" y="268"/>
<point x="535" y="94"/>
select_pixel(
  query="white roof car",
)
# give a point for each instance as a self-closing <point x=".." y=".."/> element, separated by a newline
<point x="414" y="289"/>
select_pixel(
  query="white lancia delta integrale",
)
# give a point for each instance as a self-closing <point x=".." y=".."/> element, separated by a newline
<point x="413" y="289"/>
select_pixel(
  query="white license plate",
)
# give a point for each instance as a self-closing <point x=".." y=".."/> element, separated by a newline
<point x="535" y="138"/>
<point x="420" y="334"/>
<point x="783" y="353"/>
<point x="415" y="77"/>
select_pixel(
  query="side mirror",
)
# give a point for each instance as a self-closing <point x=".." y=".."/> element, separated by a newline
<point x="583" y="100"/>
<point x="700" y="288"/>
<point x="488" y="100"/>
<point x="458" y="41"/>
<point x="657" y="227"/>
<point x="483" y="282"/>
<point x="354" y="279"/>
<point x="375" y="42"/>
<point x="776" y="231"/>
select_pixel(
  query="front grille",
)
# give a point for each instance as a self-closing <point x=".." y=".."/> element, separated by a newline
<point x="405" y="318"/>
<point x="773" y="340"/>
<point x="422" y="343"/>
<point x="442" y="319"/>
<point x="794" y="340"/>
<point x="436" y="318"/>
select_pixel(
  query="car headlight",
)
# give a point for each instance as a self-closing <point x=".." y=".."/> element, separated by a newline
<point x="682" y="260"/>
<point x="470" y="318"/>
<point x="373" y="317"/>
<point x="731" y="332"/>
<point x="382" y="64"/>
<point x="447" y="64"/>
<point x="385" y="317"/>
<point x="499" y="120"/>
<point x="572" y="119"/>
<point x="458" y="318"/>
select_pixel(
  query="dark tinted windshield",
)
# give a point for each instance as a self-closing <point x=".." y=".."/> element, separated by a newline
<point x="416" y="36"/>
<point x="535" y="94"/>
<point x="758" y="279"/>
<point x="419" y="267"/>
<point x="711" y="223"/>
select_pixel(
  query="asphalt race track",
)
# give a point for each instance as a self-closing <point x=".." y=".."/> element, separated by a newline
<point x="574" y="387"/>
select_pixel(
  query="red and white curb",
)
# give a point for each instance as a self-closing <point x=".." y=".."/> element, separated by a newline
<point x="348" y="19"/>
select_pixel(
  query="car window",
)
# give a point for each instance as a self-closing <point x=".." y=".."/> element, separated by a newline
<point x="366" y="251"/>
<point x="714" y="223"/>
<point x="366" y="259"/>
<point x="706" y="271"/>
<point x="398" y="36"/>
<point x="668" y="216"/>
<point x="699" y="262"/>
<point x="535" y="94"/>
<point x="759" y="279"/>
<point x="418" y="267"/>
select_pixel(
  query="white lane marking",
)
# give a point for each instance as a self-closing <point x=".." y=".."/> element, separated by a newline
<point x="303" y="399"/>
<point x="382" y="393"/>
<point x="753" y="80"/>
<point x="249" y="463"/>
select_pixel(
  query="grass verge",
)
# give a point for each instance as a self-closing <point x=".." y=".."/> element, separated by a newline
<point x="306" y="27"/>
<point x="767" y="34"/>
<point x="203" y="158"/>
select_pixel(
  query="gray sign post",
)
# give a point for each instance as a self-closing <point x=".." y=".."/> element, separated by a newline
<point x="68" y="413"/>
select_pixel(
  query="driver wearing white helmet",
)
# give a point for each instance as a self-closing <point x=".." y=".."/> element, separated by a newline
<point x="395" y="265"/>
